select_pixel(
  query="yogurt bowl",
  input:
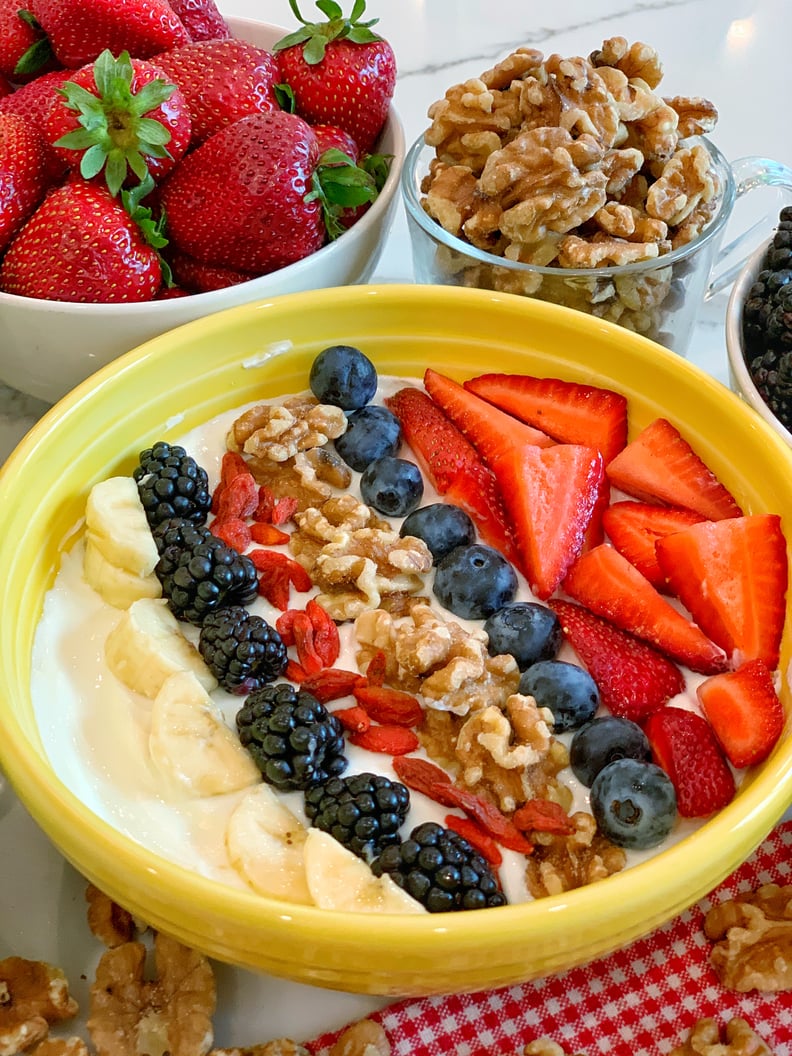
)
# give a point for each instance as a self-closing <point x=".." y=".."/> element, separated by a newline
<point x="179" y="381"/>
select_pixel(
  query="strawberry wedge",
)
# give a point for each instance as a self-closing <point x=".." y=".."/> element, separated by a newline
<point x="454" y="467"/>
<point x="732" y="577"/>
<point x="634" y="680"/>
<point x="685" y="746"/>
<point x="659" y="465"/>
<point x="744" y="711"/>
<point x="550" y="494"/>
<point x="608" y="585"/>
<point x="635" y="527"/>
<point x="568" y="411"/>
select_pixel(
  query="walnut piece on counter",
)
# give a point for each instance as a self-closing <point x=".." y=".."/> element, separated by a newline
<point x="547" y="1047"/>
<point x="364" y="1038"/>
<point x="33" y="994"/>
<point x="752" y="936"/>
<point x="279" y="431"/>
<point x="276" y="1047"/>
<point x="132" y="1014"/>
<point x="111" y="924"/>
<point x="738" y="1039"/>
<point x="562" y="863"/>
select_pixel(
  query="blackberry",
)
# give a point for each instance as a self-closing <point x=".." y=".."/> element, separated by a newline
<point x="293" y="739"/>
<point x="440" y="870"/>
<point x="172" y="484"/>
<point x="363" y="811"/>
<point x="200" y="574"/>
<point x="241" y="650"/>
<point x="179" y="533"/>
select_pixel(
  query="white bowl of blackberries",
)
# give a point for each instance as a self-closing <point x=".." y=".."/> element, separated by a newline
<point x="759" y="329"/>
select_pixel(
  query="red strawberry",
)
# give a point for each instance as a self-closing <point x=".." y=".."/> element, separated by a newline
<point x="453" y="466"/>
<point x="200" y="278"/>
<point x="635" y="527"/>
<point x="633" y="678"/>
<point x="82" y="245"/>
<point x="24" y="165"/>
<point x="491" y="431"/>
<point x="221" y="80"/>
<point x="339" y="71"/>
<point x="732" y="577"/>
<point x="332" y="137"/>
<point x="6" y="88"/>
<point x="201" y="19"/>
<point x="568" y="411"/>
<point x="79" y="30"/>
<point x="607" y="583"/>
<point x="659" y="465"/>
<point x="595" y="533"/>
<point x="550" y="495"/>
<point x="25" y="51"/>
<point x="33" y="101"/>
<point x="744" y="711"/>
<point x="119" y="117"/>
<point x="684" y="745"/>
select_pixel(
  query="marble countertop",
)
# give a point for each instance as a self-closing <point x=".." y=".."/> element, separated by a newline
<point x="734" y="52"/>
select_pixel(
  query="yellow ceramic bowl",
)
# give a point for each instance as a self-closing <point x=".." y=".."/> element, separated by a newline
<point x="212" y="365"/>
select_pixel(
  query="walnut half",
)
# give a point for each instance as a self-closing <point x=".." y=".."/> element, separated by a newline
<point x="753" y="939"/>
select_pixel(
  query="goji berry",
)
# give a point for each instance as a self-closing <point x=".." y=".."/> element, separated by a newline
<point x="303" y="632"/>
<point x="542" y="815"/>
<point x="375" y="672"/>
<point x="267" y="534"/>
<point x="278" y="572"/>
<point x="326" y="641"/>
<point x="478" y="839"/>
<point x="389" y="705"/>
<point x="388" y="740"/>
<point x="354" y="720"/>
<point x="284" y="626"/>
<point x="232" y="464"/>
<point x="294" y="672"/>
<point x="266" y="505"/>
<point x="233" y="531"/>
<point x="486" y="814"/>
<point x="238" y="498"/>
<point x="332" y="683"/>
<point x="284" y="509"/>
<point x="300" y="579"/>
<point x="419" y="774"/>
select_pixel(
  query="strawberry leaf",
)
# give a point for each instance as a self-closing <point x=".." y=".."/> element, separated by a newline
<point x="152" y="228"/>
<point x="339" y="184"/>
<point x="315" y="36"/>
<point x="285" y="97"/>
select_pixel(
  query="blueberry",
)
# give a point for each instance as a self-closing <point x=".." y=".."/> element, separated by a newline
<point x="372" y="432"/>
<point x="529" y="631"/>
<point x="474" y="581"/>
<point x="566" y="689"/>
<point x="394" y="486"/>
<point x="633" y="803"/>
<point x="442" y="527"/>
<point x="342" y="376"/>
<point x="603" y="741"/>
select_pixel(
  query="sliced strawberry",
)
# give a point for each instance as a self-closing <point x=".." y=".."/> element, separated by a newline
<point x="453" y="466"/>
<point x="595" y="533"/>
<point x="607" y="583"/>
<point x="659" y="465"/>
<point x="550" y="494"/>
<point x="569" y="411"/>
<point x="633" y="678"/>
<point x="684" y="745"/>
<point x="732" y="576"/>
<point x="744" y="711"/>
<point x="635" y="527"/>
<point x="491" y="431"/>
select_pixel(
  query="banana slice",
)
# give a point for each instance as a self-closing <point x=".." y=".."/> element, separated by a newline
<point x="338" y="879"/>
<point x="117" y="586"/>
<point x="265" y="844"/>
<point x="191" y="745"/>
<point x="116" y="521"/>
<point x="147" y="646"/>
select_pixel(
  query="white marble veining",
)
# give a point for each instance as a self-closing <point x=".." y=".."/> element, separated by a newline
<point x="736" y="53"/>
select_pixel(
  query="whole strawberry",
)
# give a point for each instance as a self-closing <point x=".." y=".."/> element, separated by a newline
<point x="340" y="72"/>
<point x="122" y="117"/>
<point x="221" y="80"/>
<point x="81" y="244"/>
<point x="33" y="101"/>
<point x="24" y="165"/>
<point x="79" y="30"/>
<point x="201" y="19"/>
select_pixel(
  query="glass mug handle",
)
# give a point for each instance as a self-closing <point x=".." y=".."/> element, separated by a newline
<point x="749" y="173"/>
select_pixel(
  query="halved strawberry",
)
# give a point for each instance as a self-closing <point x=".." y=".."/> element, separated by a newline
<point x="569" y="411"/>
<point x="732" y="577"/>
<point x="633" y="678"/>
<point x="491" y="431"/>
<point x="744" y="711"/>
<point x="659" y="465"/>
<point x="684" y="745"/>
<point x="550" y="494"/>
<point x="635" y="527"/>
<point x="453" y="466"/>
<point x="611" y="587"/>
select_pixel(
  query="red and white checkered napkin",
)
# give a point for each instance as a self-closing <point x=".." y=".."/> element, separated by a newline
<point x="640" y="1000"/>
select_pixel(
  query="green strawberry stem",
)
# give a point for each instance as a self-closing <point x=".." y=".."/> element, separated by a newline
<point x="40" y="51"/>
<point x="315" y="36"/>
<point x="115" y="135"/>
<point x="152" y="228"/>
<point x="339" y="184"/>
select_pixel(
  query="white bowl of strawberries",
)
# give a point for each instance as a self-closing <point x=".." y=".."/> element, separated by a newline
<point x="221" y="198"/>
